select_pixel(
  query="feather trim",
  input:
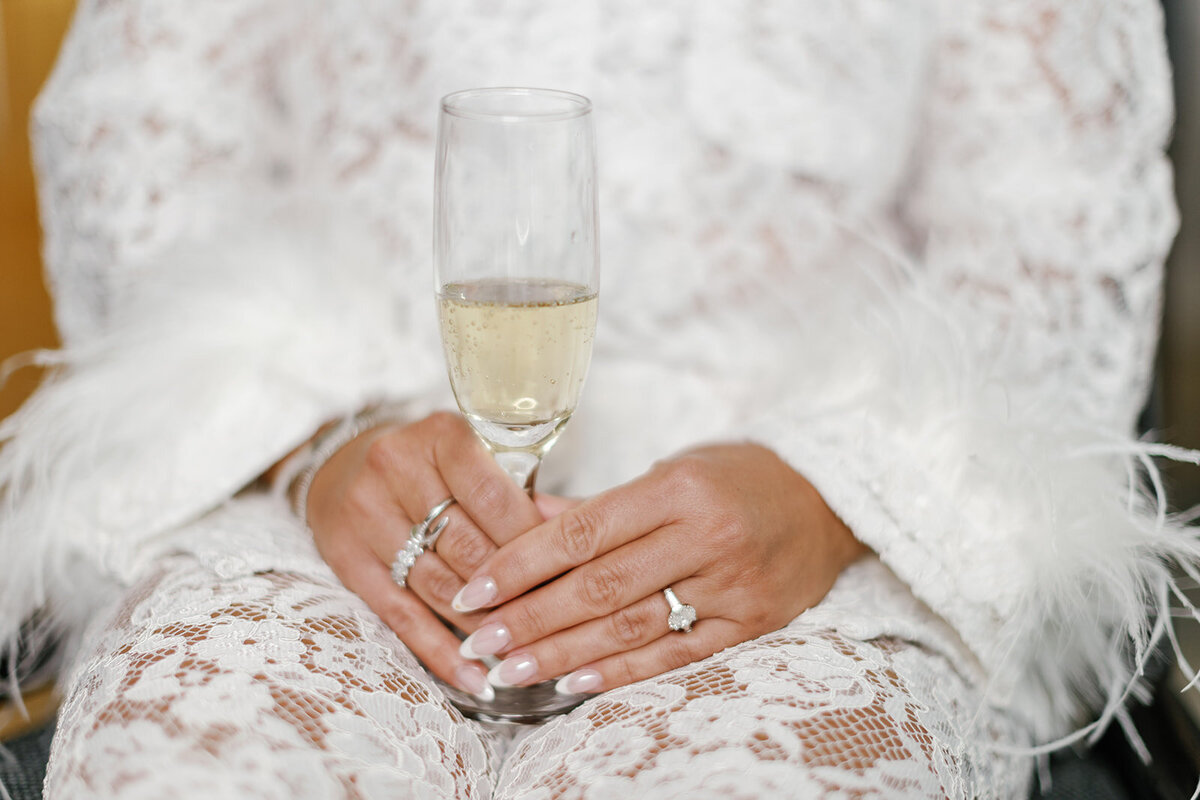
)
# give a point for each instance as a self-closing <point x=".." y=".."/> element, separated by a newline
<point x="213" y="365"/>
<point x="1039" y="533"/>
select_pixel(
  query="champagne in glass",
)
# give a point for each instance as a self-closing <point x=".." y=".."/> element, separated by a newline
<point x="516" y="274"/>
<point x="518" y="352"/>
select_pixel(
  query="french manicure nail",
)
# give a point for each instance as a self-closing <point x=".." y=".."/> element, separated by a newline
<point x="513" y="671"/>
<point x="581" y="681"/>
<point x="475" y="595"/>
<point x="489" y="639"/>
<point x="474" y="680"/>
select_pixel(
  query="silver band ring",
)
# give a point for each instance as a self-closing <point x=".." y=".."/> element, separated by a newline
<point x="419" y="538"/>
<point x="419" y="530"/>
<point x="682" y="615"/>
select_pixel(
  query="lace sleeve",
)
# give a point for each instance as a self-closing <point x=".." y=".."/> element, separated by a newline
<point x="983" y="445"/>
<point x="222" y="283"/>
<point x="1043" y="200"/>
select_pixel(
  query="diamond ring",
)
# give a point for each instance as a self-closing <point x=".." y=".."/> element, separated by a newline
<point x="419" y="538"/>
<point x="682" y="615"/>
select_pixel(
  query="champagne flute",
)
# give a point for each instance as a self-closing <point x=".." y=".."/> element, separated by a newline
<point x="517" y="274"/>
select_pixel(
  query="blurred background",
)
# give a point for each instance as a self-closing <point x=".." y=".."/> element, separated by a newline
<point x="1179" y="354"/>
<point x="30" y="31"/>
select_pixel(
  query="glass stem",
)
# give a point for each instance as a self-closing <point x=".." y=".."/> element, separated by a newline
<point x="521" y="465"/>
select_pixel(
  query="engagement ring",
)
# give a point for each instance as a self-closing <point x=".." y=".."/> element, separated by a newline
<point x="682" y="615"/>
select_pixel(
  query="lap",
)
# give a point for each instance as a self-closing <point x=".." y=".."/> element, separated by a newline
<point x="231" y="682"/>
<point x="797" y="713"/>
<point x="259" y="685"/>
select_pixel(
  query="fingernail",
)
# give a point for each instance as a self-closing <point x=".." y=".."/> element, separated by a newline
<point x="476" y="594"/>
<point x="580" y="681"/>
<point x="474" y="680"/>
<point x="489" y="639"/>
<point x="513" y="671"/>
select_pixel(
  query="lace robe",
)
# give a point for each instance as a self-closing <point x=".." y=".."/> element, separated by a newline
<point x="913" y="247"/>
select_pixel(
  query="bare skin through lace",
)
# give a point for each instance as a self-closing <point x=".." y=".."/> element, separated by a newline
<point x="833" y="740"/>
<point x="313" y="667"/>
<point x="243" y="680"/>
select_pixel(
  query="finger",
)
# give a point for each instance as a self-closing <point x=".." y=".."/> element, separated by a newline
<point x="501" y="508"/>
<point x="413" y="622"/>
<point x="593" y="591"/>
<point x="550" y="506"/>
<point x="435" y="584"/>
<point x="462" y="545"/>
<point x="574" y="537"/>
<point x="430" y="577"/>
<point x="668" y="652"/>
<point x="416" y="486"/>
<point x="623" y="630"/>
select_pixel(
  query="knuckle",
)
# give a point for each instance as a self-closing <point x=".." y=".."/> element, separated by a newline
<point x="382" y="454"/>
<point x="602" y="587"/>
<point x="490" y="496"/>
<point x="626" y="627"/>
<point x="556" y="655"/>
<point x="577" y="535"/>
<point x="526" y="622"/>
<point x="443" y="422"/>
<point x="397" y="616"/>
<point x="732" y="529"/>
<point x="465" y="549"/>
<point x="440" y="585"/>
<point x="623" y="671"/>
<point x="678" y="652"/>
<point x="689" y="476"/>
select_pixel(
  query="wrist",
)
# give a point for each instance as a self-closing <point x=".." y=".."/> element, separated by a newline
<point x="327" y="442"/>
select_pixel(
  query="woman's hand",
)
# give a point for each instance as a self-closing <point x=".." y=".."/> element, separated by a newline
<point x="732" y="529"/>
<point x="363" y="502"/>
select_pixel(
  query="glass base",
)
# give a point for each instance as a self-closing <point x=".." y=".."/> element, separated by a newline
<point x="515" y="705"/>
<point x="518" y="705"/>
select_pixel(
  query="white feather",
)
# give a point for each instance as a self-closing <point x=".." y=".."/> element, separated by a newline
<point x="1036" y="526"/>
<point x="217" y="362"/>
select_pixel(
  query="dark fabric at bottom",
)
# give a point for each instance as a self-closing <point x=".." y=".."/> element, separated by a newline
<point x="1082" y="778"/>
<point x="23" y="763"/>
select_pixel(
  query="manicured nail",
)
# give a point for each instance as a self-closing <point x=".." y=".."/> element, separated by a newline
<point x="513" y="671"/>
<point x="476" y="594"/>
<point x="581" y="681"/>
<point x="489" y="639"/>
<point x="474" y="680"/>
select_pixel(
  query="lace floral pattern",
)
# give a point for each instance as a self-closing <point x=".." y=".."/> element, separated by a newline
<point x="891" y="240"/>
<point x="283" y="684"/>
<point x="266" y="686"/>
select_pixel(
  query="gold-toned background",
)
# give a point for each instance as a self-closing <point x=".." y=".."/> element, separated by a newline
<point x="30" y="31"/>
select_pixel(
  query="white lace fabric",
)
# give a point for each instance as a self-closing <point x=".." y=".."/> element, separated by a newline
<point x="914" y="247"/>
<point x="283" y="684"/>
